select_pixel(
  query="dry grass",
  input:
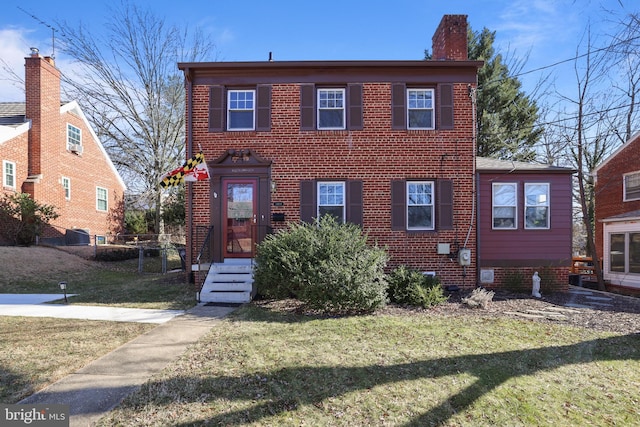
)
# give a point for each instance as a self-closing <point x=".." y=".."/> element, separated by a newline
<point x="269" y="366"/>
<point x="35" y="352"/>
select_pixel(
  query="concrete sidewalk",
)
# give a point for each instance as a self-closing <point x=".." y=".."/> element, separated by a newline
<point x="100" y="386"/>
<point x="32" y="305"/>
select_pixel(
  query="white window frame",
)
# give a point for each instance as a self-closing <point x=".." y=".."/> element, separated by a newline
<point x="625" y="178"/>
<point x="326" y="102"/>
<point x="6" y="175"/>
<point x="514" y="185"/>
<point x="99" y="199"/>
<point x="626" y="254"/>
<point x="74" y="135"/>
<point x="241" y="106"/>
<point x="66" y="186"/>
<point x="325" y="199"/>
<point x="430" y="204"/>
<point x="539" y="204"/>
<point x="424" y="103"/>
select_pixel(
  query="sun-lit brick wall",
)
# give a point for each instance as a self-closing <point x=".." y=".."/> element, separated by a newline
<point x="377" y="154"/>
<point x="609" y="187"/>
<point x="41" y="155"/>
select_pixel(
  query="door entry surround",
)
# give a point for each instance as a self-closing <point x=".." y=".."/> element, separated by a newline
<point x="240" y="203"/>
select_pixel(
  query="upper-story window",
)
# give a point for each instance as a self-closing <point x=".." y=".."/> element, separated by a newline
<point x="420" y="206"/>
<point x="101" y="199"/>
<point x="420" y="109"/>
<point x="74" y="137"/>
<point x="241" y="109"/>
<point x="66" y="185"/>
<point x="536" y="205"/>
<point x="632" y="186"/>
<point x="9" y="174"/>
<point x="331" y="109"/>
<point x="331" y="200"/>
<point x="504" y="210"/>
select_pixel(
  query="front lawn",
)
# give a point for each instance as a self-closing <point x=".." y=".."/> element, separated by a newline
<point x="265" y="366"/>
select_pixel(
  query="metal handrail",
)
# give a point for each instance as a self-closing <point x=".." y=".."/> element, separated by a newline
<point x="206" y="253"/>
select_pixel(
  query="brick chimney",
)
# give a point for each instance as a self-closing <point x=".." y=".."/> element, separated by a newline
<point x="449" y="42"/>
<point x="42" y="93"/>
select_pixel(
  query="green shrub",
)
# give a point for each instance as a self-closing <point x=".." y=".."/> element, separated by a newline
<point x="408" y="286"/>
<point x="327" y="265"/>
<point x="24" y="218"/>
<point x="514" y="281"/>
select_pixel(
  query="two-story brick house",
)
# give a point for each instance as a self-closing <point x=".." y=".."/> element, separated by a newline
<point x="49" y="150"/>
<point x="617" y="213"/>
<point x="388" y="145"/>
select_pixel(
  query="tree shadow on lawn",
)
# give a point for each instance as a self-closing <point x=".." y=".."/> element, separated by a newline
<point x="282" y="390"/>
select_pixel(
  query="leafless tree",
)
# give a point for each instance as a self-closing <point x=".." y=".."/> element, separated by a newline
<point x="130" y="88"/>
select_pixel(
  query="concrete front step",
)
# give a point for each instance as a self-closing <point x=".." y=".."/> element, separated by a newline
<point x="229" y="282"/>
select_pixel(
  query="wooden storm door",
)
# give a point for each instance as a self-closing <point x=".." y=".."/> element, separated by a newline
<point x="239" y="210"/>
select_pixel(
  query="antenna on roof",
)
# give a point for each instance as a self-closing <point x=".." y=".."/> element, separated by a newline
<point x="53" y="31"/>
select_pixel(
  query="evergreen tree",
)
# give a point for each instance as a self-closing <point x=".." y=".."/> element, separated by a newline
<point x="506" y="116"/>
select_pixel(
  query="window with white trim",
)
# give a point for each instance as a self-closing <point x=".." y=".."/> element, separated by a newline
<point x="331" y="109"/>
<point x="66" y="185"/>
<point x="420" y="109"/>
<point x="101" y="199"/>
<point x="504" y="203"/>
<point x="8" y="174"/>
<point x="74" y="136"/>
<point x="624" y="253"/>
<point x="241" y="109"/>
<point x="631" y="186"/>
<point x="331" y="200"/>
<point x="420" y="205"/>
<point x="536" y="205"/>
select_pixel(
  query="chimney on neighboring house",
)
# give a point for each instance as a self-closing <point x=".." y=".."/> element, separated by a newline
<point x="449" y="42"/>
<point x="42" y="107"/>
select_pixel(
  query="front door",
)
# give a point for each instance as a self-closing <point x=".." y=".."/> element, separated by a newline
<point x="239" y="210"/>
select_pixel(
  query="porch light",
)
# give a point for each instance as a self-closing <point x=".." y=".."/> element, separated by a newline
<point x="63" y="288"/>
<point x="274" y="186"/>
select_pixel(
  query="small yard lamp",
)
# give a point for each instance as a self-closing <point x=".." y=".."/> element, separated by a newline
<point x="63" y="288"/>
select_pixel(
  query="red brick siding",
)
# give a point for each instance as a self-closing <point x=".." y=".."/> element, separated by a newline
<point x="46" y="153"/>
<point x="376" y="155"/>
<point x="450" y="39"/>
<point x="609" y="187"/>
<point x="520" y="278"/>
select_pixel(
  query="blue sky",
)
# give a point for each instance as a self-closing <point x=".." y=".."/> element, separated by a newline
<point x="548" y="31"/>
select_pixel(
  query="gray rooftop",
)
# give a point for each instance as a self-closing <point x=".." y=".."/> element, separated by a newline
<point x="12" y="113"/>
<point x="486" y="164"/>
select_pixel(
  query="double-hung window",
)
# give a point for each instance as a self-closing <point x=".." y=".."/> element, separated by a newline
<point x="331" y="200"/>
<point x="66" y="185"/>
<point x="632" y="186"/>
<point x="74" y="137"/>
<point x="536" y="208"/>
<point x="504" y="201"/>
<point x="420" y="205"/>
<point x="8" y="174"/>
<point x="241" y="109"/>
<point x="331" y="109"/>
<point x="101" y="199"/>
<point x="420" y="109"/>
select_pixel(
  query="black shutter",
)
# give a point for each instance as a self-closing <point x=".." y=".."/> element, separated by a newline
<point x="445" y="100"/>
<point x="308" y="209"/>
<point x="216" y="109"/>
<point x="354" y="200"/>
<point x="307" y="107"/>
<point x="444" y="202"/>
<point x="398" y="205"/>
<point x="354" y="102"/>
<point x="263" y="119"/>
<point x="398" y="106"/>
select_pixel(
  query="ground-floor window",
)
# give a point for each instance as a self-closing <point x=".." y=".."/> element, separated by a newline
<point x="624" y="252"/>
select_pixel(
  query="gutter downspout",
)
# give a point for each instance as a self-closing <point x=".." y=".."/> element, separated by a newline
<point x="473" y="96"/>
<point x="189" y="154"/>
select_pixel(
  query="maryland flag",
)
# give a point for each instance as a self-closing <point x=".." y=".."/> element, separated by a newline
<point x="194" y="169"/>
